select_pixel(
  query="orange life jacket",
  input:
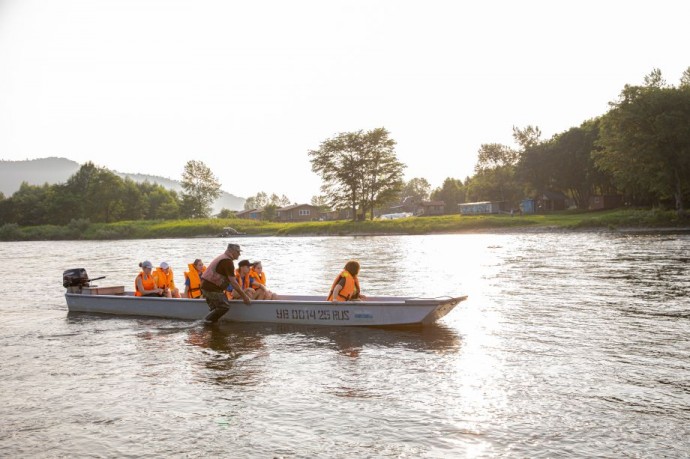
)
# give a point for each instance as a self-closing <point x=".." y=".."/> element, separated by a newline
<point x="164" y="280"/>
<point x="148" y="282"/>
<point x="194" y="290"/>
<point x="260" y="278"/>
<point x="245" y="283"/>
<point x="349" y="291"/>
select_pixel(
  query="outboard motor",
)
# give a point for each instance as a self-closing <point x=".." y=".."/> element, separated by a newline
<point x="75" y="278"/>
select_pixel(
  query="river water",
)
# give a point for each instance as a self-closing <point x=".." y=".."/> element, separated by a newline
<point x="570" y="345"/>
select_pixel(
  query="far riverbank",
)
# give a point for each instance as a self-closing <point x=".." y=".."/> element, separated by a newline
<point x="631" y="220"/>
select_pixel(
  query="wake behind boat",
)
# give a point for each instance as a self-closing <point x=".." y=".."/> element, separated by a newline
<point x="288" y="309"/>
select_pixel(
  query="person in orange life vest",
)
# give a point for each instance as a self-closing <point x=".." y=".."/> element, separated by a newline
<point x="346" y="286"/>
<point x="165" y="279"/>
<point x="218" y="275"/>
<point x="192" y="279"/>
<point x="256" y="272"/>
<point x="145" y="283"/>
<point x="245" y="281"/>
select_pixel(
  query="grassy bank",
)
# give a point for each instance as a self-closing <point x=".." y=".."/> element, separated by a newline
<point x="612" y="220"/>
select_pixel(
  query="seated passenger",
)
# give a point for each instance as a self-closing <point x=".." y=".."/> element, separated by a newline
<point x="257" y="273"/>
<point x="165" y="280"/>
<point x="145" y="284"/>
<point x="192" y="279"/>
<point x="346" y="286"/>
<point x="243" y="279"/>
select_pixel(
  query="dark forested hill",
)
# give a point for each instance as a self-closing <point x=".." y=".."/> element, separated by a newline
<point x="58" y="170"/>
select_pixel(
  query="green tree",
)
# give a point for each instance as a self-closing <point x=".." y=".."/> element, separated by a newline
<point x="163" y="204"/>
<point x="226" y="213"/>
<point x="358" y="170"/>
<point x="645" y="140"/>
<point x="452" y="193"/>
<point x="262" y="199"/>
<point x="258" y="201"/>
<point x="6" y="211"/>
<point x="269" y="212"/>
<point x="535" y="168"/>
<point x="79" y="186"/>
<point x="321" y="202"/>
<point x="685" y="78"/>
<point x="494" y="178"/>
<point x="527" y="137"/>
<point x="134" y="200"/>
<point x="105" y="197"/>
<point x="565" y="163"/>
<point x="30" y="204"/>
<point x="415" y="191"/>
<point x="283" y="201"/>
<point x="574" y="169"/>
<point x="494" y="184"/>
<point x="96" y="193"/>
<point x="201" y="189"/>
<point x="493" y="155"/>
<point x="655" y="80"/>
<point x="339" y="161"/>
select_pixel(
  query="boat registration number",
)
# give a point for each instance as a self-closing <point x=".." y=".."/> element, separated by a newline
<point x="312" y="314"/>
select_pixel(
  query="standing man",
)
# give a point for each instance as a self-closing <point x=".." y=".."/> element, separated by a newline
<point x="218" y="275"/>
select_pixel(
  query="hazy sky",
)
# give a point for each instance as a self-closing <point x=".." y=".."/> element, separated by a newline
<point x="250" y="87"/>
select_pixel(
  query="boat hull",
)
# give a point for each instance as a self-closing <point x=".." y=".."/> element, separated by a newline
<point x="288" y="309"/>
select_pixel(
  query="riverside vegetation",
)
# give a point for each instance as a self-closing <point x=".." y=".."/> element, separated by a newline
<point x="211" y="227"/>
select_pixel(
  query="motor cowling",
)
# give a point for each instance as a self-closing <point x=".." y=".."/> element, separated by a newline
<point x="76" y="277"/>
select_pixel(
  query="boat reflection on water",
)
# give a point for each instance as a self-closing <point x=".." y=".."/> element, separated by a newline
<point x="236" y="339"/>
<point x="238" y="354"/>
<point x="231" y="357"/>
<point x="348" y="341"/>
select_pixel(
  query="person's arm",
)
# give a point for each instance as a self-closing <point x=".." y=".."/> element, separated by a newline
<point x="140" y="287"/>
<point x="359" y="292"/>
<point x="256" y="284"/>
<point x="157" y="282"/>
<point x="236" y="287"/>
<point x="336" y="290"/>
<point x="187" y="284"/>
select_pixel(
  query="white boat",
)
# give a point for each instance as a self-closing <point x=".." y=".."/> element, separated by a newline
<point x="286" y="309"/>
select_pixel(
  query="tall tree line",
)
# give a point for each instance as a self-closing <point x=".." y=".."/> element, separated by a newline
<point x="640" y="149"/>
<point x="100" y="196"/>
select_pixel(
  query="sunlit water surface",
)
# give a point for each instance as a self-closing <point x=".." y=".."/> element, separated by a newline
<point x="570" y="345"/>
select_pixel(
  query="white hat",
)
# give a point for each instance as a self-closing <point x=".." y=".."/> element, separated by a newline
<point x="164" y="265"/>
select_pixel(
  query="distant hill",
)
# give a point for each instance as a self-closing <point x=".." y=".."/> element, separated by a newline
<point x="58" y="170"/>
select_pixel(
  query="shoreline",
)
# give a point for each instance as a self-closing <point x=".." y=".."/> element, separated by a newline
<point x="490" y="230"/>
<point x="623" y="221"/>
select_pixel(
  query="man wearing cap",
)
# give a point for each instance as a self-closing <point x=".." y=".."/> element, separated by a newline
<point x="166" y="280"/>
<point x="245" y="282"/>
<point x="218" y="275"/>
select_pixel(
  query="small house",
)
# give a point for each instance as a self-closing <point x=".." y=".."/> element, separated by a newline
<point x="528" y="206"/>
<point x="549" y="201"/>
<point x="251" y="214"/>
<point x="482" y="207"/>
<point x="607" y="201"/>
<point x="429" y="208"/>
<point x="298" y="213"/>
